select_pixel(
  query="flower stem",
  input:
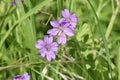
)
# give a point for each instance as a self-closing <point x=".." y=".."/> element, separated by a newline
<point x="64" y="50"/>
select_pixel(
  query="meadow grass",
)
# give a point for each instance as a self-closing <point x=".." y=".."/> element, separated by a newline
<point x="93" y="53"/>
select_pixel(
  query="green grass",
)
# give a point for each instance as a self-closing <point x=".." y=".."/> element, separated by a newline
<point x="92" y="54"/>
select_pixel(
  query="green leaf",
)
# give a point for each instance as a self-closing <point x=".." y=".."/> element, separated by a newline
<point x="84" y="30"/>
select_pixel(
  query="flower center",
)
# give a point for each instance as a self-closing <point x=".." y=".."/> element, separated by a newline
<point x="47" y="47"/>
<point x="61" y="28"/>
<point x="61" y="32"/>
<point x="68" y="19"/>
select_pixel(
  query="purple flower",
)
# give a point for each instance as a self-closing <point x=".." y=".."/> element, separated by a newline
<point x="47" y="47"/>
<point x="25" y="76"/>
<point x="71" y="18"/>
<point x="14" y="2"/>
<point x="61" y="29"/>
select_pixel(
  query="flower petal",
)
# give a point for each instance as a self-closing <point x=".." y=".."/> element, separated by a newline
<point x="14" y="3"/>
<point x="54" y="23"/>
<point x="39" y="44"/>
<point x="66" y="24"/>
<point x="61" y="39"/>
<point x="17" y="77"/>
<point x="48" y="39"/>
<point x="68" y="31"/>
<point x="42" y="52"/>
<point x="65" y="13"/>
<point x="52" y="54"/>
<point x="25" y="76"/>
<point x="40" y="41"/>
<point x="73" y="24"/>
<point x="53" y="31"/>
<point x="73" y="17"/>
<point x="48" y="56"/>
<point x="54" y="46"/>
<point x="61" y="20"/>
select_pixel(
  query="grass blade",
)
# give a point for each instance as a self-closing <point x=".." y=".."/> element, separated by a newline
<point x="29" y="13"/>
<point x="103" y="38"/>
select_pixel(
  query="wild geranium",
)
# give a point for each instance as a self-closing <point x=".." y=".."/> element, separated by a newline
<point x="47" y="47"/>
<point x="25" y="76"/>
<point x="61" y="29"/>
<point x="70" y="17"/>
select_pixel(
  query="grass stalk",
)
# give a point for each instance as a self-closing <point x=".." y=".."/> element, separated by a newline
<point x="59" y="8"/>
<point x="29" y="13"/>
<point x="112" y="20"/>
<point x="103" y="38"/>
<point x="71" y="5"/>
<point x="35" y="63"/>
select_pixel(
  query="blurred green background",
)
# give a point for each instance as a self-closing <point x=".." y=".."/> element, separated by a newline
<point x="92" y="54"/>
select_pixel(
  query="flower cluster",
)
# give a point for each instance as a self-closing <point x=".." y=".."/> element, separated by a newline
<point x="64" y="26"/>
<point x="61" y="28"/>
<point x="25" y="76"/>
<point x="14" y="2"/>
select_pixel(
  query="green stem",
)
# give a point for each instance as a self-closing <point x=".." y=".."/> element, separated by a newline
<point x="110" y="26"/>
